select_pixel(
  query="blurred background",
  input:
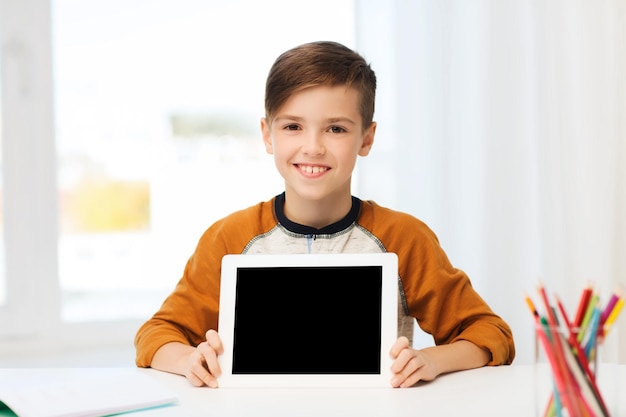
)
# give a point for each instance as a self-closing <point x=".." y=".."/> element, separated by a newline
<point x="128" y="127"/>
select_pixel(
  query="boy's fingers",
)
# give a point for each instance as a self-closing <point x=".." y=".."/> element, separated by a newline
<point x="200" y="376"/>
<point x="209" y="359"/>
<point x="400" y="344"/>
<point x="213" y="365"/>
<point x="214" y="340"/>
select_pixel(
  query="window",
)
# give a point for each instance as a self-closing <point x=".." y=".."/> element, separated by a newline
<point x="157" y="124"/>
<point x="154" y="110"/>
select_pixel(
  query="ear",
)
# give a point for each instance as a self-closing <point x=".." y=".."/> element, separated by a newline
<point x="267" y="137"/>
<point x="368" y="140"/>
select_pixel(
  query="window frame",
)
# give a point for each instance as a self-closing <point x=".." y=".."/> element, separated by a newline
<point x="28" y="167"/>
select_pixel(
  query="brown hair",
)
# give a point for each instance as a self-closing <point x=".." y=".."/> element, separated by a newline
<point x="320" y="63"/>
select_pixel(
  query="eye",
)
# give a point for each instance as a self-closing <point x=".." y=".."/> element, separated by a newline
<point x="291" y="127"/>
<point x="337" y="129"/>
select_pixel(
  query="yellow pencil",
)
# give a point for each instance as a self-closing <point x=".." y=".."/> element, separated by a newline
<point x="531" y="306"/>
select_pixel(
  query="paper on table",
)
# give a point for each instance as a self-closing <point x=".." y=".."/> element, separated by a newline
<point x="76" y="393"/>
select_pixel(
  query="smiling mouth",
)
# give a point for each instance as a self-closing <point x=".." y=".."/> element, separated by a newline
<point x="308" y="169"/>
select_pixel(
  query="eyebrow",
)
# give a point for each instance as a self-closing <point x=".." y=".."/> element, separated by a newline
<point x="329" y="120"/>
<point x="341" y="119"/>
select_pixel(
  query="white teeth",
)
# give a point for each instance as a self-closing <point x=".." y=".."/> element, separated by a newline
<point x="312" y="170"/>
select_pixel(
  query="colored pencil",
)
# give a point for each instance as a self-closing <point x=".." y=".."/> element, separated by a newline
<point x="591" y="337"/>
<point x="609" y="307"/>
<point x="593" y="301"/>
<point x="613" y="316"/>
<point x="582" y="306"/>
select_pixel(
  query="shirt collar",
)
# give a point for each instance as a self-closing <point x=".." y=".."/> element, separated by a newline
<point x="347" y="221"/>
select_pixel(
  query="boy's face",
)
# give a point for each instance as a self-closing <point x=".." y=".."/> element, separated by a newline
<point x="315" y="138"/>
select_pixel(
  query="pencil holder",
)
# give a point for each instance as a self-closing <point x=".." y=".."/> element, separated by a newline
<point x="566" y="375"/>
<point x="568" y="378"/>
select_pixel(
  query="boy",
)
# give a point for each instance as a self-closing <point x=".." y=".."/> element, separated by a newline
<point x="319" y="107"/>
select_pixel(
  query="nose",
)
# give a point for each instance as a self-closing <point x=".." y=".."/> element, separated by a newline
<point x="313" y="144"/>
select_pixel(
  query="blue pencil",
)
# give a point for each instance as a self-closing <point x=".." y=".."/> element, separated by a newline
<point x="594" y="321"/>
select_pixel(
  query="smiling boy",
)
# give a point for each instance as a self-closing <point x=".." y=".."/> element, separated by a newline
<point x="319" y="108"/>
<point x="315" y="138"/>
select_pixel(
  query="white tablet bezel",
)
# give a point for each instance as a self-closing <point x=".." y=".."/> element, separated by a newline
<point x="389" y="314"/>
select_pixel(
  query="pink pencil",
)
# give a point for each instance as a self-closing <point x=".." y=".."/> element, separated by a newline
<point x="609" y="307"/>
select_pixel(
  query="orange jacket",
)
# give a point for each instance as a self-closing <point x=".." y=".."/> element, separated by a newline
<point x="439" y="296"/>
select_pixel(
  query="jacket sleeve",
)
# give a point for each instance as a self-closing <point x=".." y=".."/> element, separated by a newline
<point x="193" y="307"/>
<point x="438" y="295"/>
<point x="446" y="305"/>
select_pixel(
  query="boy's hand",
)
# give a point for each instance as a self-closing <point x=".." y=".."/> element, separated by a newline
<point x="410" y="365"/>
<point x="202" y="367"/>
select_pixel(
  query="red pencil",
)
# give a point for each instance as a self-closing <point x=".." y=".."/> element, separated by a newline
<point x="582" y="306"/>
<point x="552" y="321"/>
<point x="568" y="324"/>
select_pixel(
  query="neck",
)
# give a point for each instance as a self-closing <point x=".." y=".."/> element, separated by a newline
<point x="317" y="213"/>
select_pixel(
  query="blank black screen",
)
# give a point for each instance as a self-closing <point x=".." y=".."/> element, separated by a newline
<point x="308" y="320"/>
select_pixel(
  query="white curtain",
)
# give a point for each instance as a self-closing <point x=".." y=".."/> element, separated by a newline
<point x="502" y="125"/>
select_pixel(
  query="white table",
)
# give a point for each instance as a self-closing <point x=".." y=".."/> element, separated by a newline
<point x="489" y="391"/>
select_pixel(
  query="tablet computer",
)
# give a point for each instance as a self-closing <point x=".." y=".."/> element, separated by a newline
<point x="326" y="320"/>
